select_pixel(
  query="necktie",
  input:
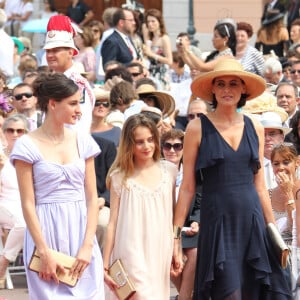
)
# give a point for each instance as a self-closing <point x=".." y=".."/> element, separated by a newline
<point x="130" y="46"/>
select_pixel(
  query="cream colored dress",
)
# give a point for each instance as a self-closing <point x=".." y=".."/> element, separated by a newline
<point x="144" y="239"/>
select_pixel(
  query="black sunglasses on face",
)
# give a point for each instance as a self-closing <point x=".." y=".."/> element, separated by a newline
<point x="135" y="74"/>
<point x="177" y="146"/>
<point x="295" y="71"/>
<point x="20" y="96"/>
<point x="12" y="130"/>
<point x="193" y="116"/>
<point x="104" y="104"/>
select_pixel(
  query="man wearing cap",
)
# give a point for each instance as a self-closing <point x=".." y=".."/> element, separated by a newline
<point x="274" y="135"/>
<point x="118" y="46"/>
<point x="6" y="53"/>
<point x="287" y="98"/>
<point x="60" y="49"/>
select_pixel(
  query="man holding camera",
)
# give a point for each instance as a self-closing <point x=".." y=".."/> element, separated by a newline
<point x="184" y="39"/>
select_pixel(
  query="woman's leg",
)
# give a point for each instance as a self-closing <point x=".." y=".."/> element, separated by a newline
<point x="188" y="274"/>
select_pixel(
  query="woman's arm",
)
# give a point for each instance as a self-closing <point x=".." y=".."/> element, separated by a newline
<point x="259" y="179"/>
<point x="187" y="189"/>
<point x="195" y="62"/>
<point x="84" y="254"/>
<point x="25" y="182"/>
<point x="110" y="234"/>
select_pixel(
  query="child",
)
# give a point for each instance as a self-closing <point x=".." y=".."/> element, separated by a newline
<point x="141" y="210"/>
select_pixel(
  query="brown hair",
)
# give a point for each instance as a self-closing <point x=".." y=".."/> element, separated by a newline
<point x="286" y="151"/>
<point x="124" y="161"/>
<point x="246" y="27"/>
<point x="153" y="12"/>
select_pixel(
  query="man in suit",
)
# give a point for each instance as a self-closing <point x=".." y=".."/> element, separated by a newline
<point x="118" y="46"/>
<point x="272" y="6"/>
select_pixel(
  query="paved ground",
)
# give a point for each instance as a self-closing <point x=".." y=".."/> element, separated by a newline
<point x="20" y="290"/>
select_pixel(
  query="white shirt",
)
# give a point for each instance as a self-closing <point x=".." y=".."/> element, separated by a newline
<point x="88" y="100"/>
<point x="6" y="53"/>
<point x="269" y="174"/>
<point x="181" y="93"/>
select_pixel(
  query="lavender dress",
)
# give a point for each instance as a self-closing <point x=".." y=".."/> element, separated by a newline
<point x="61" y="209"/>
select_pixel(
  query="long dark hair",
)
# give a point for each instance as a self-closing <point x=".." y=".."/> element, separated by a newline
<point x="224" y="30"/>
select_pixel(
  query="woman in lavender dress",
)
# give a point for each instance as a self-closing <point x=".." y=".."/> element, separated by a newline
<point x="56" y="176"/>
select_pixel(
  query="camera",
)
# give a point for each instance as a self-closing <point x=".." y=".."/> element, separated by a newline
<point x="178" y="41"/>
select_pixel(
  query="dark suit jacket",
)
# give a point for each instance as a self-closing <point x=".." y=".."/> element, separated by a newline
<point x="277" y="5"/>
<point x="102" y="164"/>
<point x="115" y="48"/>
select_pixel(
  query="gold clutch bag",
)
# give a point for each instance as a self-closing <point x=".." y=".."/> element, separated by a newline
<point x="64" y="259"/>
<point x="279" y="246"/>
<point x="120" y="276"/>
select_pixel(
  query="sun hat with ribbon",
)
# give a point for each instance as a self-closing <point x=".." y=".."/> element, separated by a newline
<point x="203" y="84"/>
<point x="60" y="33"/>
<point x="272" y="120"/>
<point x="165" y="101"/>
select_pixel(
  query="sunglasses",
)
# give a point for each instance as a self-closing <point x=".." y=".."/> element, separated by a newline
<point x="193" y="116"/>
<point x="12" y="131"/>
<point x="295" y="71"/>
<point x="104" y="104"/>
<point x="136" y="74"/>
<point x="20" y="96"/>
<point x="177" y="146"/>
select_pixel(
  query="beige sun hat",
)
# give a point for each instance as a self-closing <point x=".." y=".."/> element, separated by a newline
<point x="101" y="93"/>
<point x="202" y="85"/>
<point x="165" y="101"/>
<point x="264" y="103"/>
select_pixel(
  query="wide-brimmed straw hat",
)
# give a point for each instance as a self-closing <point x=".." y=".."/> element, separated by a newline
<point x="272" y="120"/>
<point x="203" y="84"/>
<point x="272" y="17"/>
<point x="165" y="101"/>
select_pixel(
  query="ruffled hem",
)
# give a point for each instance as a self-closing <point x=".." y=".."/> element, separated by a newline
<point x="262" y="265"/>
<point x="256" y="256"/>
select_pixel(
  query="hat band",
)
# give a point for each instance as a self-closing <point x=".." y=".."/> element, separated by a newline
<point x="267" y="123"/>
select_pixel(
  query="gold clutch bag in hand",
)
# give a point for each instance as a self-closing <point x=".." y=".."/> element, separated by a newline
<point x="119" y="275"/>
<point x="64" y="259"/>
<point x="279" y="246"/>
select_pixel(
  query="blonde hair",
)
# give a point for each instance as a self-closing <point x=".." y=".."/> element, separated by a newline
<point x="124" y="161"/>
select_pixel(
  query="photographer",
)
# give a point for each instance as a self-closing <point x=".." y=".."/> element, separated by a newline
<point x="183" y="39"/>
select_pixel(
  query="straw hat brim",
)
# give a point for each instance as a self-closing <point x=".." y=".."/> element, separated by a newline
<point x="165" y="101"/>
<point x="203" y="84"/>
<point x="285" y="130"/>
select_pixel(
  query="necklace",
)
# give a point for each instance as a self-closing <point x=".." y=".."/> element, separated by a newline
<point x="51" y="138"/>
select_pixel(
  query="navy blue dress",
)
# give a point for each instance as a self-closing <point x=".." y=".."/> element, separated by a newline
<point x="235" y="258"/>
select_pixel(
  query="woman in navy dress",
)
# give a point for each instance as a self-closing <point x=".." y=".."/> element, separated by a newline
<point x="235" y="259"/>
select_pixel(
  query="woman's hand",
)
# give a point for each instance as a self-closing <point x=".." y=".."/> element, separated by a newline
<point x="110" y="282"/>
<point x="83" y="259"/>
<point x="194" y="229"/>
<point x="177" y="260"/>
<point x="285" y="183"/>
<point x="147" y="51"/>
<point x="50" y="268"/>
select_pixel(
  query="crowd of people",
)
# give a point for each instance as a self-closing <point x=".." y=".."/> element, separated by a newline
<point x="114" y="147"/>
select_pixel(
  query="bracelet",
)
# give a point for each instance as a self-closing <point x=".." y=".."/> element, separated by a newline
<point x="177" y="232"/>
<point x="290" y="202"/>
